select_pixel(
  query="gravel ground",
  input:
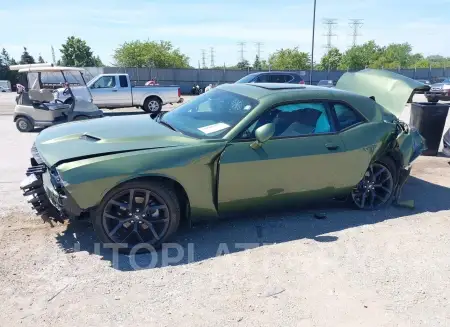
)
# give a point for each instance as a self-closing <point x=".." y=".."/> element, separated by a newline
<point x="385" y="268"/>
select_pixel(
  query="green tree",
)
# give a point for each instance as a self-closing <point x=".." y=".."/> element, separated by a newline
<point x="331" y="60"/>
<point x="41" y="60"/>
<point x="76" y="53"/>
<point x="289" y="59"/>
<point x="361" y="56"/>
<point x="5" y="62"/>
<point x="160" y="54"/>
<point x="437" y="61"/>
<point x="26" y="58"/>
<point x="243" y="64"/>
<point x="257" y="64"/>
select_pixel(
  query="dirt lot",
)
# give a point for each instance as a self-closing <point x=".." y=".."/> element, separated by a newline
<point x="354" y="268"/>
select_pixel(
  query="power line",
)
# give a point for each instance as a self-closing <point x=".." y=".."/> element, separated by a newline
<point x="211" y="50"/>
<point x="330" y="23"/>
<point x="355" y="25"/>
<point x="241" y="51"/>
<point x="258" y="49"/>
<point x="203" y="58"/>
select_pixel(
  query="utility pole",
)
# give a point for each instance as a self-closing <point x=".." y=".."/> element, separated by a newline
<point x="258" y="49"/>
<point x="203" y="58"/>
<point x="241" y="51"/>
<point x="211" y="49"/>
<point x="330" y="23"/>
<point x="312" y="45"/>
<point x="355" y="25"/>
<point x="53" y="56"/>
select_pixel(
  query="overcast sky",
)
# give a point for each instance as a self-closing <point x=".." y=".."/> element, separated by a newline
<point x="193" y="25"/>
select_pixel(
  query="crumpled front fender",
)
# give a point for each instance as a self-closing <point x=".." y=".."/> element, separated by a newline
<point x="411" y="144"/>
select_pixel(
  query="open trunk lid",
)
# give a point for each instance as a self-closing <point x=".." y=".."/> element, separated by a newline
<point x="391" y="90"/>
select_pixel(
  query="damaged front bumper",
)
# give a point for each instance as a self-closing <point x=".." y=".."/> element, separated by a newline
<point x="44" y="191"/>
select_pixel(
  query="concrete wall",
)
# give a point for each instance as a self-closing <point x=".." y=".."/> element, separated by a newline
<point x="186" y="78"/>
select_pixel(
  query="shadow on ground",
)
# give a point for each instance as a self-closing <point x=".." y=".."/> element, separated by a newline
<point x="207" y="240"/>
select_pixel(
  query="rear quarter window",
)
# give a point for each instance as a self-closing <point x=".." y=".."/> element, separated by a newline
<point x="346" y="117"/>
<point x="123" y="81"/>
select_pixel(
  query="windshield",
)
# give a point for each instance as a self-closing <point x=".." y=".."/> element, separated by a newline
<point x="210" y="115"/>
<point x="246" y="79"/>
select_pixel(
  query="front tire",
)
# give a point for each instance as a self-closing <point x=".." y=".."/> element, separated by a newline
<point x="432" y="100"/>
<point x="152" y="105"/>
<point x="24" y="125"/>
<point x="142" y="213"/>
<point x="377" y="188"/>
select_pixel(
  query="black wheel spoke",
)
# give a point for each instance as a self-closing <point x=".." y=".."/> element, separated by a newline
<point x="158" y="207"/>
<point x="119" y="204"/>
<point x="131" y="200"/>
<point x="363" y="200"/>
<point x="147" y="198"/>
<point x="107" y="215"/>
<point x="115" y="229"/>
<point x="379" y="172"/>
<point x="372" y="198"/>
<point x="152" y="229"/>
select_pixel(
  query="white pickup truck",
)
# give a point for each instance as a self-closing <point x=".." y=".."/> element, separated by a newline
<point x="115" y="91"/>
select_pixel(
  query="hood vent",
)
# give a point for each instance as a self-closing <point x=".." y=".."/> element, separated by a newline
<point x="90" y="138"/>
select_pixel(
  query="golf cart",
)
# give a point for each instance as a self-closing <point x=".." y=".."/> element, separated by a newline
<point x="37" y="103"/>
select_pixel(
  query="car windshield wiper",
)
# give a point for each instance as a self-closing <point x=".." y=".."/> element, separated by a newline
<point x="167" y="125"/>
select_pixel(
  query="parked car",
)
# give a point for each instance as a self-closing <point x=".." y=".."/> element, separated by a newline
<point x="439" y="91"/>
<point x="326" y="83"/>
<point x="272" y="77"/>
<point x="115" y="91"/>
<point x="5" y="85"/>
<point x="424" y="81"/>
<point x="234" y="149"/>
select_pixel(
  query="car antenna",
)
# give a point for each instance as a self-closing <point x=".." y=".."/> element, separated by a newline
<point x="372" y="97"/>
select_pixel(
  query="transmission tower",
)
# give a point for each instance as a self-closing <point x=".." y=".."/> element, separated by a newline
<point x="355" y="25"/>
<point x="203" y="58"/>
<point x="258" y="49"/>
<point x="330" y="23"/>
<point x="53" y="56"/>
<point x="211" y="50"/>
<point x="241" y="51"/>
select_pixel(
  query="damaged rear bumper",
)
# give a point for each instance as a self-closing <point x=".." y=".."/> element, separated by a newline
<point x="47" y="196"/>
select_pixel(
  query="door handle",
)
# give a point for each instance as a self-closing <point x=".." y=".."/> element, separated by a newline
<point x="331" y="146"/>
<point x="114" y="90"/>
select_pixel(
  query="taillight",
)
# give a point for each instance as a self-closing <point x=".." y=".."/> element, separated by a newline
<point x="179" y="92"/>
<point x="301" y="82"/>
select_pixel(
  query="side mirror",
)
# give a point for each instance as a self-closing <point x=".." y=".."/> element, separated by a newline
<point x="263" y="134"/>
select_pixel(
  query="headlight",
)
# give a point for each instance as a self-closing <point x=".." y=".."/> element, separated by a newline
<point x="35" y="154"/>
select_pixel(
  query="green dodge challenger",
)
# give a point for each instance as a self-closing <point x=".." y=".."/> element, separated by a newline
<point x="236" y="148"/>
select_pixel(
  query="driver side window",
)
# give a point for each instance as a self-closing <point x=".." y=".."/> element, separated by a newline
<point x="105" y="82"/>
<point x="291" y="120"/>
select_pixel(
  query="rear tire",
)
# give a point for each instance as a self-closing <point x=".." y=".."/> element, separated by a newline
<point x="377" y="188"/>
<point x="152" y="105"/>
<point x="24" y="125"/>
<point x="142" y="218"/>
<point x="432" y="100"/>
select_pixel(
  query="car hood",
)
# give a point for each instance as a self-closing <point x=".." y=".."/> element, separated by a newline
<point x="102" y="136"/>
<point x="392" y="91"/>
